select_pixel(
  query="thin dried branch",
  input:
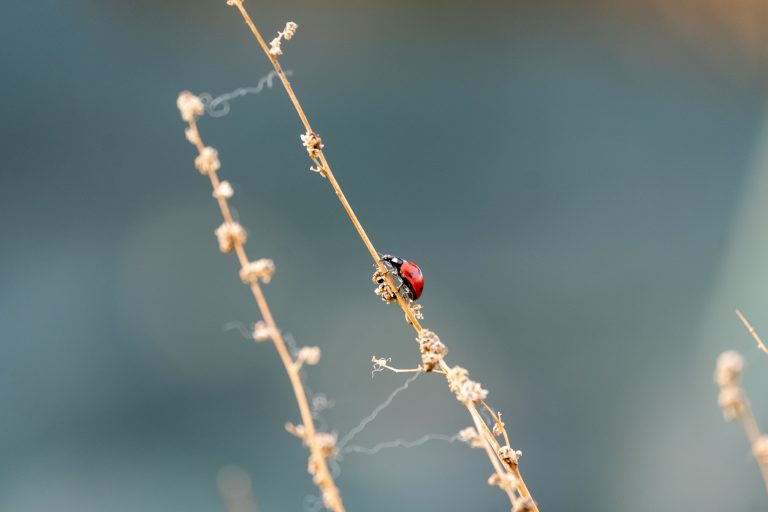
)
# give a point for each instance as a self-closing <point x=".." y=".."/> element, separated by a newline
<point x="735" y="405"/>
<point x="752" y="332"/>
<point x="232" y="237"/>
<point x="470" y="393"/>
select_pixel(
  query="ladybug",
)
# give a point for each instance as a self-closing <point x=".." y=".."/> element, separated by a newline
<point x="409" y="273"/>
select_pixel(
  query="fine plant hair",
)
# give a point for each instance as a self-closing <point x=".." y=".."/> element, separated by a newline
<point x="734" y="402"/>
<point x="490" y="436"/>
<point x="232" y="237"/>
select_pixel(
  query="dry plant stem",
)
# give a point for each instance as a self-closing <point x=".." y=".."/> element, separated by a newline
<point x="489" y="440"/>
<point x="482" y="427"/>
<point x="752" y="332"/>
<point x="497" y="420"/>
<point x="323" y="162"/>
<point x="322" y="476"/>
<point x="753" y="434"/>
<point x="735" y="406"/>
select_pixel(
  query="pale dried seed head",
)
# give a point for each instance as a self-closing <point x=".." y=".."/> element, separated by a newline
<point x="524" y="505"/>
<point x="192" y="136"/>
<point x="208" y="161"/>
<point x="290" y="30"/>
<point x="313" y="143"/>
<point x="456" y="376"/>
<point x="506" y="481"/>
<point x="385" y="293"/>
<point x="429" y="361"/>
<point x="470" y="436"/>
<point x="230" y="234"/>
<point x="760" y="449"/>
<point x="733" y="403"/>
<point x="326" y="442"/>
<point x="309" y="355"/>
<point x="379" y="361"/>
<point x="378" y="276"/>
<point x="190" y="106"/>
<point x="430" y="342"/>
<point x="416" y="310"/>
<point x="296" y="430"/>
<point x="728" y="369"/>
<point x="261" y="331"/>
<point x="509" y="455"/>
<point x="471" y="392"/>
<point x="261" y="269"/>
<point x="274" y="47"/>
<point x="223" y="191"/>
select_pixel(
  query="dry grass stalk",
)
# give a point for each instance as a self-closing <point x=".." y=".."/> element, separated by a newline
<point x="232" y="237"/>
<point x="504" y="460"/>
<point x="752" y="332"/>
<point x="734" y="402"/>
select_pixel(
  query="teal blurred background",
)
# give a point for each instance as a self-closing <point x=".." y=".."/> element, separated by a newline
<point x="584" y="187"/>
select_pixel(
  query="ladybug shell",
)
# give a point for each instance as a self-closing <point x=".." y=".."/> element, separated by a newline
<point x="411" y="275"/>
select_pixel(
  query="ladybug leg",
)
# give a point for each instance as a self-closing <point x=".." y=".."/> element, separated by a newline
<point x="405" y="291"/>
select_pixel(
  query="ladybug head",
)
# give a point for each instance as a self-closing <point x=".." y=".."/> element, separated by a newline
<point x="392" y="260"/>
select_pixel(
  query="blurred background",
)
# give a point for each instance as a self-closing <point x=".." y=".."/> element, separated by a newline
<point x="583" y="183"/>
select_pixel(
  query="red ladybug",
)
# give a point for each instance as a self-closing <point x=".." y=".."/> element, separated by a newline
<point x="409" y="273"/>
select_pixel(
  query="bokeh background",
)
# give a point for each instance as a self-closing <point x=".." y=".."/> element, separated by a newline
<point x="583" y="183"/>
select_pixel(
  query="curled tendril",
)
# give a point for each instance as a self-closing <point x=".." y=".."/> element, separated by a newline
<point x="220" y="107"/>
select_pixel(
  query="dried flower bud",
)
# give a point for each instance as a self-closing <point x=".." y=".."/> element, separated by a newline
<point x="326" y="442"/>
<point x="379" y="361"/>
<point x="430" y="342"/>
<point x="760" y="449"/>
<point x="230" y="234"/>
<point x="223" y="191"/>
<point x="470" y="436"/>
<point x="456" y="376"/>
<point x="471" y="392"/>
<point x="254" y="271"/>
<point x="729" y="367"/>
<point x="261" y="331"/>
<point x="190" y="106"/>
<point x="208" y="160"/>
<point x="192" y="136"/>
<point x="524" y="505"/>
<point x="386" y="293"/>
<point x="296" y="430"/>
<point x="509" y="455"/>
<point x="506" y="481"/>
<point x="309" y="355"/>
<point x="313" y="143"/>
<point x="731" y="400"/>
<point x="290" y="30"/>
<point x="383" y="289"/>
<point x="432" y="349"/>
<point x="274" y="47"/>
